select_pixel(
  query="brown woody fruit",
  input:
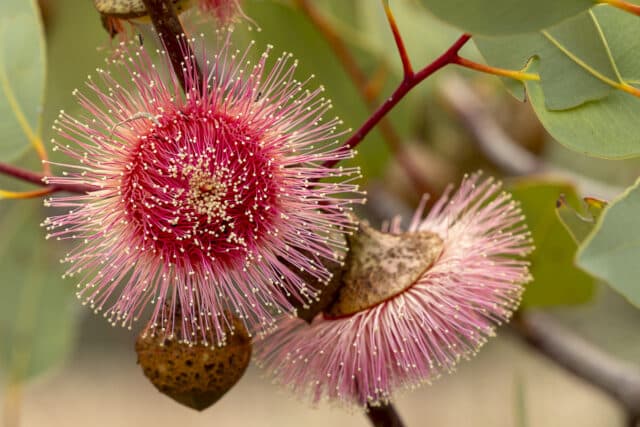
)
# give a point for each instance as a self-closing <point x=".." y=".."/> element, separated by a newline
<point x="381" y="265"/>
<point x="195" y="375"/>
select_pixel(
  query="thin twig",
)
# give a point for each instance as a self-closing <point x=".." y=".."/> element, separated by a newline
<point x="407" y="67"/>
<point x="360" y="80"/>
<point x="39" y="179"/>
<point x="384" y="416"/>
<point x="408" y="83"/>
<point x="169" y="29"/>
<point x="501" y="72"/>
<point x="22" y="174"/>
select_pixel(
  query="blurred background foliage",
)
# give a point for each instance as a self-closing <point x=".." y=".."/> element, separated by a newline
<point x="40" y="319"/>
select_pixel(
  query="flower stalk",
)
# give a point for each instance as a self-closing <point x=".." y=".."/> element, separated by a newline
<point x="384" y="416"/>
<point x="169" y="29"/>
<point x="38" y="179"/>
<point x="500" y="72"/>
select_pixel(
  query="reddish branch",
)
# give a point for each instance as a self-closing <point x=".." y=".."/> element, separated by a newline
<point x="38" y="179"/>
<point x="362" y="82"/>
<point x="408" y="83"/>
<point x="397" y="37"/>
<point x="22" y="174"/>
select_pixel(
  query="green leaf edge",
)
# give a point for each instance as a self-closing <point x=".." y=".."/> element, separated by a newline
<point x="537" y="179"/>
<point x="582" y="247"/>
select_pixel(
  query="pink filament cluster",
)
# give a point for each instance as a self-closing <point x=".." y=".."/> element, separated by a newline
<point x="412" y="338"/>
<point x="208" y="205"/>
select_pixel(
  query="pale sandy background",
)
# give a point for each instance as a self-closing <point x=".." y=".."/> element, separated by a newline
<point x="102" y="386"/>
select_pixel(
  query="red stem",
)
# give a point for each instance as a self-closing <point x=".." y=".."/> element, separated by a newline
<point x="339" y="46"/>
<point x="36" y="178"/>
<point x="22" y="174"/>
<point x="408" y="83"/>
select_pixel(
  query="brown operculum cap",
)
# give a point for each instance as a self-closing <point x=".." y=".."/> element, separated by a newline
<point x="380" y="266"/>
<point x="194" y="374"/>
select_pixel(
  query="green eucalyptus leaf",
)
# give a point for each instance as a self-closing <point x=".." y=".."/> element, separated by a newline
<point x="556" y="280"/>
<point x="612" y="250"/>
<point x="581" y="66"/>
<point x="36" y="305"/>
<point x="579" y="222"/>
<point x="501" y="17"/>
<point x="22" y="76"/>
<point x="607" y="128"/>
<point x="622" y="32"/>
<point x="568" y="56"/>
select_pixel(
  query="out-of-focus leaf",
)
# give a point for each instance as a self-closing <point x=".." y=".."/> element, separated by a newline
<point x="556" y="280"/>
<point x="579" y="223"/>
<point x="22" y="76"/>
<point x="612" y="250"/>
<point x="500" y="17"/>
<point x="607" y="125"/>
<point x="77" y="24"/>
<point x="36" y="305"/>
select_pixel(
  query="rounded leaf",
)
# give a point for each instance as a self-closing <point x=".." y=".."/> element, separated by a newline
<point x="500" y="17"/>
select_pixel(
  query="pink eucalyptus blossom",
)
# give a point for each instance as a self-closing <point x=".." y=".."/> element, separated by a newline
<point x="210" y="204"/>
<point x="413" y="337"/>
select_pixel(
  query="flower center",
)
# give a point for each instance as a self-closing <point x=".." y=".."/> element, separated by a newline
<point x="207" y="190"/>
<point x="201" y="187"/>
